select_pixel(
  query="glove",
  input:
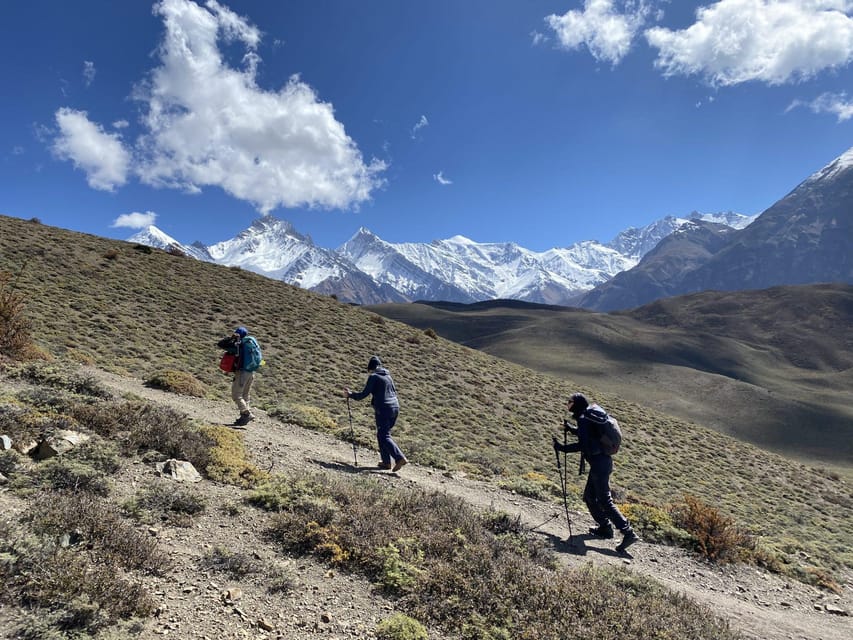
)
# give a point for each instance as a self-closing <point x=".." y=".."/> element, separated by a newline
<point x="568" y="427"/>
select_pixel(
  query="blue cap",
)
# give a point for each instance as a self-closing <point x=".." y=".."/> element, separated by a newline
<point x="241" y="331"/>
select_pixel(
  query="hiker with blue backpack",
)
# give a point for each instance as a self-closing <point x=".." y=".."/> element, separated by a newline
<point x="248" y="360"/>
<point x="599" y="438"/>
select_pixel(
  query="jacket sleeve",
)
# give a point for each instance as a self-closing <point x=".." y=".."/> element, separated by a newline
<point x="368" y="389"/>
<point x="570" y="447"/>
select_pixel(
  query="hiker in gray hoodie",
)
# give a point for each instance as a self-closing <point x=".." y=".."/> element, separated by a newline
<point x="386" y="408"/>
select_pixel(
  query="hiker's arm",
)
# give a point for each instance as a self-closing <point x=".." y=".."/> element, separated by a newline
<point x="566" y="448"/>
<point x="368" y="389"/>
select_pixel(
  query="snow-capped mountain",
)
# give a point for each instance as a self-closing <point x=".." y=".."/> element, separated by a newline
<point x="369" y="270"/>
<point x="635" y="243"/>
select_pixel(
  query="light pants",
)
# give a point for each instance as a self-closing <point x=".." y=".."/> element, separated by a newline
<point x="240" y="389"/>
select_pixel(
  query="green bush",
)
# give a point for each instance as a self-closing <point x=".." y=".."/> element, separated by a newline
<point x="400" y="627"/>
<point x="179" y="382"/>
<point x="305" y="416"/>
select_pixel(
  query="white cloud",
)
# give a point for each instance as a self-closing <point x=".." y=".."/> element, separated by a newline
<point x="210" y="124"/>
<point x="837" y="104"/>
<point x="420" y="124"/>
<point x="89" y="72"/>
<point x="607" y="31"/>
<point x="121" y="124"/>
<point x="771" y="41"/>
<point x="440" y="179"/>
<point x="207" y="123"/>
<point x="99" y="154"/>
<point x="538" y="38"/>
<point x="135" y="220"/>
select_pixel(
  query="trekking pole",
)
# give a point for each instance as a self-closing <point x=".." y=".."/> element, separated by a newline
<point x="563" y="484"/>
<point x="541" y="524"/>
<point x="352" y="436"/>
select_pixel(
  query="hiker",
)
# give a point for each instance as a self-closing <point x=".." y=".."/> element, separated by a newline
<point x="249" y="358"/>
<point x="386" y="407"/>
<point x="596" y="494"/>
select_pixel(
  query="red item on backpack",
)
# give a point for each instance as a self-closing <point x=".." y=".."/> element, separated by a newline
<point x="228" y="363"/>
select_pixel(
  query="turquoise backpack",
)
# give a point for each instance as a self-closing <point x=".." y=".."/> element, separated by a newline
<point x="252" y="356"/>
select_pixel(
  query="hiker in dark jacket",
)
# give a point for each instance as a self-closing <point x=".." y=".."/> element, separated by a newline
<point x="596" y="494"/>
<point x="386" y="408"/>
<point x="243" y="378"/>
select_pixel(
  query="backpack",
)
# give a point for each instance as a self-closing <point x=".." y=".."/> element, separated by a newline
<point x="228" y="362"/>
<point x="252" y="356"/>
<point x="607" y="429"/>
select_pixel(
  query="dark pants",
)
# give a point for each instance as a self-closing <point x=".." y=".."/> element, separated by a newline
<point x="597" y="496"/>
<point x="388" y="449"/>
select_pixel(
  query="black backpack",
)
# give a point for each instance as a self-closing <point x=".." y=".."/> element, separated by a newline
<point x="606" y="429"/>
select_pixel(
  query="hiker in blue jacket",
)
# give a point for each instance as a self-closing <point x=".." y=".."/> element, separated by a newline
<point x="596" y="494"/>
<point x="386" y="408"/>
<point x="244" y="373"/>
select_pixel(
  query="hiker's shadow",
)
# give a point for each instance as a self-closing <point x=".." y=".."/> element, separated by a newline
<point x="344" y="467"/>
<point x="577" y="546"/>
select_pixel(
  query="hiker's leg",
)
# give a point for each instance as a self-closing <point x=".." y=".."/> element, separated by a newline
<point x="599" y="479"/>
<point x="590" y="498"/>
<point x="249" y="378"/>
<point x="240" y="389"/>
<point x="237" y="391"/>
<point x="388" y="449"/>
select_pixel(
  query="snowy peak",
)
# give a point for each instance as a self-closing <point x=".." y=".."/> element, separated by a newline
<point x="368" y="269"/>
<point x="834" y="168"/>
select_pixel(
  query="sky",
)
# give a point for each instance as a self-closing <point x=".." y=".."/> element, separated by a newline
<point x="540" y="122"/>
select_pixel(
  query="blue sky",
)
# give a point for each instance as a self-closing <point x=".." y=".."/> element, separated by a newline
<point x="533" y="121"/>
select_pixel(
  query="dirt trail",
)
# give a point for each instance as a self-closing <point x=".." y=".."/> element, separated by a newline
<point x="758" y="604"/>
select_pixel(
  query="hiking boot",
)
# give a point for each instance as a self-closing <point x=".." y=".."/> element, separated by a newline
<point x="384" y="465"/>
<point x="628" y="538"/>
<point x="400" y="464"/>
<point x="603" y="531"/>
<point x="244" y="419"/>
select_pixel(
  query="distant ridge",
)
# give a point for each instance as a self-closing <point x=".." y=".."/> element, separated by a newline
<point x="369" y="270"/>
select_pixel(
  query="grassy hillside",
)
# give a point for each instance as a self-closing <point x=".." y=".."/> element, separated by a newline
<point x="772" y="367"/>
<point x="135" y="311"/>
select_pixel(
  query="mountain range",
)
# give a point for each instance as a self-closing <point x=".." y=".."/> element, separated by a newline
<point x="806" y="237"/>
<point x="369" y="270"/>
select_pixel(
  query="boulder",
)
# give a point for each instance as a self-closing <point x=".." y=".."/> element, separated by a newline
<point x="59" y="443"/>
<point x="5" y="443"/>
<point x="179" y="470"/>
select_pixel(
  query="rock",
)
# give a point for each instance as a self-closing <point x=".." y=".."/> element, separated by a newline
<point x="325" y="618"/>
<point x="5" y="443"/>
<point x="3" y="479"/>
<point x="838" y="611"/>
<point x="266" y="625"/>
<point x="59" y="443"/>
<point x="178" y="470"/>
<point x="26" y="447"/>
<point x="232" y="595"/>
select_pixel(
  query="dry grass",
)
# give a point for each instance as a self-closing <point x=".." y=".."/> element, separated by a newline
<point x="461" y="409"/>
<point x="471" y="575"/>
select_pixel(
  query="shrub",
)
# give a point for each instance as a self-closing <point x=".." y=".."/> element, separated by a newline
<point x="717" y="536"/>
<point x="111" y="254"/>
<point x="157" y="428"/>
<point x="96" y="525"/>
<point x="72" y="591"/>
<point x="531" y="484"/>
<point x="62" y="376"/>
<point x="305" y="416"/>
<point x="430" y="333"/>
<point x="15" y="328"/>
<point x="654" y="523"/>
<point x="229" y="460"/>
<point x="400" y="627"/>
<point x="64" y="473"/>
<point x="167" y="502"/>
<point x="234" y="563"/>
<point x="179" y="382"/>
